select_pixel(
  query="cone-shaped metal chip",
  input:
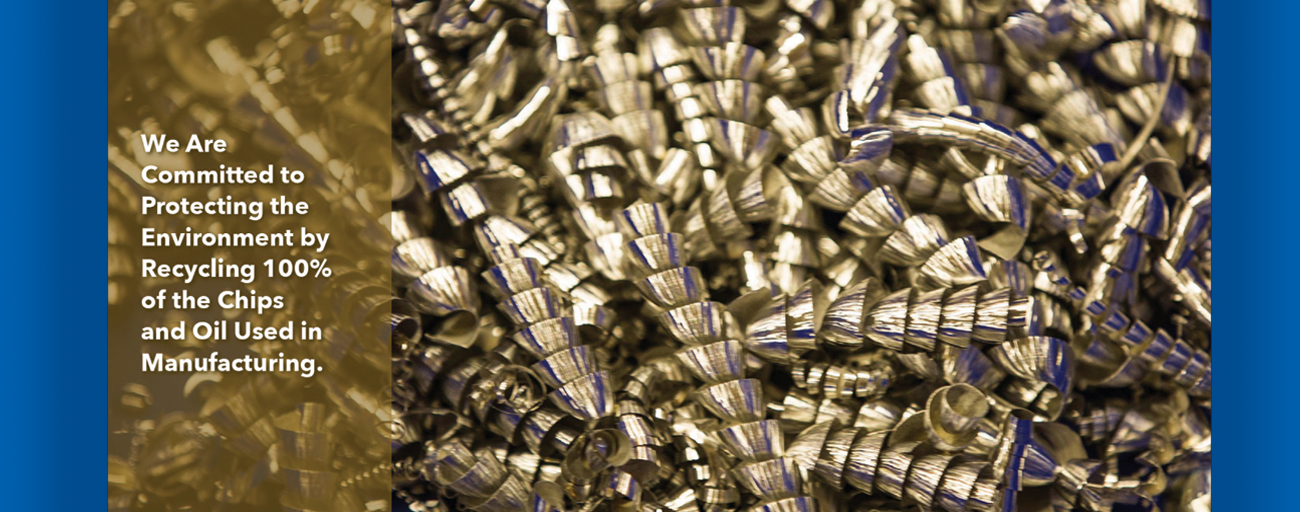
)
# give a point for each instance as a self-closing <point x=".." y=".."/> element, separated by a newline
<point x="417" y="256"/>
<point x="612" y="67"/>
<point x="598" y="168"/>
<point x="715" y="362"/>
<point x="812" y="161"/>
<point x="918" y="237"/>
<point x="783" y="277"/>
<point x="658" y="49"/>
<point x="1077" y="118"/>
<point x="1096" y="165"/>
<point x="1125" y="249"/>
<point x="958" y="316"/>
<point x="998" y="198"/>
<point x="753" y="193"/>
<point x="464" y="202"/>
<point x="722" y="216"/>
<point x="580" y="129"/>
<point x="868" y="148"/>
<point x="589" y="397"/>
<point x="807" y="446"/>
<point x="794" y="125"/>
<point x="565" y="366"/>
<point x="1025" y="317"/>
<point x="606" y="253"/>
<point x="498" y="231"/>
<point x="991" y="312"/>
<point x="798" y="411"/>
<point x="877" y="415"/>
<point x="767" y="336"/>
<point x="403" y="225"/>
<point x="441" y="168"/>
<point x="921" y="364"/>
<point x="1040" y="359"/>
<point x="1130" y="63"/>
<point x="841" y="189"/>
<point x="539" y="425"/>
<point x="895" y="461"/>
<point x="734" y="401"/>
<point x="675" y="287"/>
<point x="713" y="26"/>
<point x="656" y="253"/>
<point x="678" y="175"/>
<point x="643" y="220"/>
<point x="736" y="100"/>
<point x="806" y="310"/>
<point x="923" y="316"/>
<point x="532" y="306"/>
<point x="794" y="210"/>
<point x="886" y="323"/>
<point x="835" y="455"/>
<point x="622" y="486"/>
<point x="756" y="440"/>
<point x="841" y="115"/>
<point x="483" y="479"/>
<point x="1139" y="205"/>
<point x="682" y="499"/>
<point x="924" y="62"/>
<point x="455" y="462"/>
<point x="729" y="61"/>
<point x="443" y="291"/>
<point x="771" y="479"/>
<point x="842" y="325"/>
<point x="944" y="93"/>
<point x="696" y="323"/>
<point x="925" y="476"/>
<point x="864" y="460"/>
<point x="1195" y="9"/>
<point x="819" y="12"/>
<point x="878" y="213"/>
<point x="956" y="263"/>
<point x="515" y="276"/>
<point x="624" y="97"/>
<point x="744" y="144"/>
<point x="958" y="485"/>
<point x="700" y="241"/>
<point x="867" y="75"/>
<point x="1009" y="455"/>
<point x="644" y="129"/>
<point x="547" y="337"/>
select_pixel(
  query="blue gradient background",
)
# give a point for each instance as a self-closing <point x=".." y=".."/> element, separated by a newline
<point x="54" y="373"/>
<point x="1257" y="357"/>
<point x="53" y="257"/>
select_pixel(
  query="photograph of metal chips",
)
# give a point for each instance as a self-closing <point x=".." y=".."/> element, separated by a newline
<point x="805" y="255"/>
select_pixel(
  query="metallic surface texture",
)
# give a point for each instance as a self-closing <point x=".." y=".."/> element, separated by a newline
<point x="803" y="255"/>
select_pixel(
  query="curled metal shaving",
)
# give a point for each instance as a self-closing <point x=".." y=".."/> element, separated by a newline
<point x="811" y="255"/>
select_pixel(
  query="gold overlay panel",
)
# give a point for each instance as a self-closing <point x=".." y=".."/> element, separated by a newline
<point x="292" y="86"/>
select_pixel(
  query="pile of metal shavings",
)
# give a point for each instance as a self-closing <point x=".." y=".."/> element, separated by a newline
<point x="278" y="81"/>
<point x="803" y="255"/>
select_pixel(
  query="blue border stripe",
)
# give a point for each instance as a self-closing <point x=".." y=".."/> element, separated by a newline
<point x="53" y="213"/>
<point x="1258" y="273"/>
<point x="53" y="257"/>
